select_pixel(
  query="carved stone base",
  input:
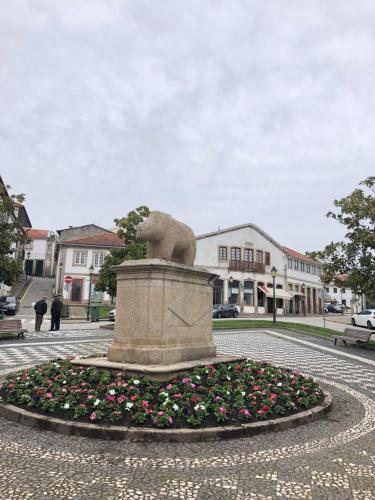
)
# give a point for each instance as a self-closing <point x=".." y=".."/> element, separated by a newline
<point x="163" y="313"/>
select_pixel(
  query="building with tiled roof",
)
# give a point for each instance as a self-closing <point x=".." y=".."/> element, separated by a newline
<point x="40" y="252"/>
<point x="81" y="253"/>
<point x="243" y="257"/>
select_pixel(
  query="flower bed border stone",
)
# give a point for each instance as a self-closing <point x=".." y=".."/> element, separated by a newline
<point x="121" y="433"/>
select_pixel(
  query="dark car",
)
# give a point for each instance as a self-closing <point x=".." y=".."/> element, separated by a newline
<point x="9" y="305"/>
<point x="225" y="311"/>
<point x="332" y="308"/>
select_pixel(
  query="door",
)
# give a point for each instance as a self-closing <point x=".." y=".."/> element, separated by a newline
<point x="39" y="268"/>
<point x="76" y="290"/>
<point x="29" y="267"/>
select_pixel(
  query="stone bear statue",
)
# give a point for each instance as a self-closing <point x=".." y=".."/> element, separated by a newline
<point x="167" y="239"/>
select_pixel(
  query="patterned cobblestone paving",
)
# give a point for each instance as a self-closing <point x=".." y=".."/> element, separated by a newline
<point x="332" y="458"/>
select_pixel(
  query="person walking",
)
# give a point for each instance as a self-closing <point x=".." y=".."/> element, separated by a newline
<point x="40" y="309"/>
<point x="56" y="308"/>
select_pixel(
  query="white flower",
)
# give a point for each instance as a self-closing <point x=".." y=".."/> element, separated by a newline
<point x="136" y="382"/>
<point x="112" y="392"/>
<point x="66" y="406"/>
<point x="96" y="402"/>
<point x="280" y="384"/>
<point x="199" y="406"/>
<point x="175" y="407"/>
<point x="243" y="393"/>
<point x="64" y="381"/>
<point x="129" y="405"/>
<point x="228" y="377"/>
<point x="164" y="394"/>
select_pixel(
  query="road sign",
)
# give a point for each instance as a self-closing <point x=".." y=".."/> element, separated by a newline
<point x="68" y="280"/>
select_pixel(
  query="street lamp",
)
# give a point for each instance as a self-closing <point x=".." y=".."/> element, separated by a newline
<point x="26" y="266"/>
<point x="274" y="274"/>
<point x="91" y="270"/>
<point x="61" y="265"/>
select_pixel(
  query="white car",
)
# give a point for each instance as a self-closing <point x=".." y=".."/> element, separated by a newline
<point x="112" y="315"/>
<point x="364" y="318"/>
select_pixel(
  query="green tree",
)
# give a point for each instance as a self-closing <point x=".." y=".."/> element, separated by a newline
<point x="351" y="263"/>
<point x="12" y="235"/>
<point x="134" y="249"/>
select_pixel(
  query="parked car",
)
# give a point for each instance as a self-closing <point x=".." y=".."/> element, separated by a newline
<point x="112" y="315"/>
<point x="333" y="308"/>
<point x="225" y="311"/>
<point x="364" y="318"/>
<point x="10" y="304"/>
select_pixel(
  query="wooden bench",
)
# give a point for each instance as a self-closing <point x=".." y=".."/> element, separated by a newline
<point x="355" y="336"/>
<point x="12" y="326"/>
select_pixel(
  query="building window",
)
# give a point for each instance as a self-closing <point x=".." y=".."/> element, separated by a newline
<point x="248" y="293"/>
<point x="259" y="256"/>
<point x="302" y="266"/>
<point x="248" y="255"/>
<point x="267" y="259"/>
<point x="290" y="286"/>
<point x="318" y="271"/>
<point x="343" y="291"/>
<point x="295" y="264"/>
<point x="290" y="263"/>
<point x="313" y="269"/>
<point x="307" y="268"/>
<point x="223" y="253"/>
<point x="335" y="290"/>
<point x="235" y="253"/>
<point x="98" y="259"/>
<point x="80" y="258"/>
<point x="327" y="290"/>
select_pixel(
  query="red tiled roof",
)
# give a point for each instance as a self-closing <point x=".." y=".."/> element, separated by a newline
<point x="37" y="234"/>
<point x="16" y="204"/>
<point x="102" y="239"/>
<point x="299" y="256"/>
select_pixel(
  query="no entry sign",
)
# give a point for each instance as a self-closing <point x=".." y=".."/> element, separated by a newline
<point x="68" y="280"/>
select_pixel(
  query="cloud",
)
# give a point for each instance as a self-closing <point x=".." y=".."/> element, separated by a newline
<point x="219" y="113"/>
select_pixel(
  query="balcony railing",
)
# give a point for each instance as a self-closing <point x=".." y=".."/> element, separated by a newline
<point x="247" y="265"/>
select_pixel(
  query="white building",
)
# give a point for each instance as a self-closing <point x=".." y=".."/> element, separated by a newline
<point x="243" y="256"/>
<point x="82" y="248"/>
<point x="341" y="295"/>
<point x="40" y="253"/>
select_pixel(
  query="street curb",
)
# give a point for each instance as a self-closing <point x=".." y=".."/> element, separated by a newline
<point x="121" y="433"/>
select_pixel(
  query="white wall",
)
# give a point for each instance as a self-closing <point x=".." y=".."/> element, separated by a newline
<point x="39" y="250"/>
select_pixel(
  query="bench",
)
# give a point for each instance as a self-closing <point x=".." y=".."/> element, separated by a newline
<point x="355" y="336"/>
<point x="12" y="326"/>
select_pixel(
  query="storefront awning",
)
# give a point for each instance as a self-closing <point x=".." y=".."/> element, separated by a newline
<point x="279" y="293"/>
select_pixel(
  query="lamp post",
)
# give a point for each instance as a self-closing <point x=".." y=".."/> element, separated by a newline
<point x="61" y="265"/>
<point x="26" y="266"/>
<point x="342" y="305"/>
<point x="274" y="274"/>
<point x="303" y="298"/>
<point x="91" y="270"/>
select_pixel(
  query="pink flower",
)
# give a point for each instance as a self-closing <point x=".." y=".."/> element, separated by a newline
<point x="170" y="420"/>
<point x="185" y="380"/>
<point x="218" y="398"/>
<point x="160" y="413"/>
<point x="178" y="395"/>
<point x="260" y="412"/>
<point x="121" y="399"/>
<point x="145" y="404"/>
<point x="49" y="395"/>
<point x="192" y="386"/>
<point x="169" y="387"/>
<point x="244" y="411"/>
<point x="111" y="398"/>
<point x="273" y="396"/>
<point x="222" y="410"/>
<point x="93" y="416"/>
<point x="90" y="396"/>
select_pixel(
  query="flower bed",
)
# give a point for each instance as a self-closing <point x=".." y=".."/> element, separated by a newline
<point x="225" y="394"/>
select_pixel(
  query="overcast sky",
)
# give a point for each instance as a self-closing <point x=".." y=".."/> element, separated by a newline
<point x="218" y="112"/>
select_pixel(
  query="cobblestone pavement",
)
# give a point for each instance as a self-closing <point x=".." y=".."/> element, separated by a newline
<point x="333" y="458"/>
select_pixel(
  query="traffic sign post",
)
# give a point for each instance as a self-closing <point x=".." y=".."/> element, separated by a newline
<point x="68" y="280"/>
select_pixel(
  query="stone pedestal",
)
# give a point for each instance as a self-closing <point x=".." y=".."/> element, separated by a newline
<point x="163" y="313"/>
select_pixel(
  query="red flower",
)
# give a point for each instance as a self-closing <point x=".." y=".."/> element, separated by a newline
<point x="134" y="398"/>
<point x="265" y="408"/>
<point x="145" y="404"/>
<point x="195" y="399"/>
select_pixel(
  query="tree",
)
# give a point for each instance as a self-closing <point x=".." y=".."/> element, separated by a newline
<point x="134" y="249"/>
<point x="351" y="263"/>
<point x="12" y="235"/>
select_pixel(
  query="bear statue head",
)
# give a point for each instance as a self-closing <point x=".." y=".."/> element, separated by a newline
<point x="153" y="229"/>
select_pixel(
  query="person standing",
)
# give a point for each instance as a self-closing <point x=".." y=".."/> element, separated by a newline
<point x="40" y="309"/>
<point x="56" y="308"/>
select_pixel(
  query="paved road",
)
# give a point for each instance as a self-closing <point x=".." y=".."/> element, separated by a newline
<point x="39" y="287"/>
<point x="333" y="458"/>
